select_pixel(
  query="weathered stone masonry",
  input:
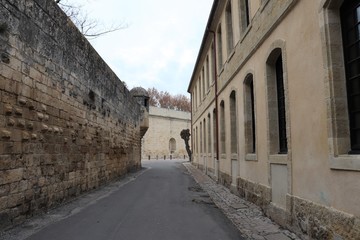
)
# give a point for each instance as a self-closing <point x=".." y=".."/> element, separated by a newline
<point x="67" y="123"/>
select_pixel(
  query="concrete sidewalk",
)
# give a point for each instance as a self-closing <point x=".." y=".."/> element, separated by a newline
<point x="247" y="217"/>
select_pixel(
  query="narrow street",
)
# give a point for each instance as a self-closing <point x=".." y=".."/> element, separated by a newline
<point x="161" y="202"/>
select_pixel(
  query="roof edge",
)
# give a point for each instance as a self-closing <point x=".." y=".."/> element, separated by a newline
<point x="208" y="25"/>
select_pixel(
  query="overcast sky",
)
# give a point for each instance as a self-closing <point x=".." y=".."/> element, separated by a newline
<point x="160" y="45"/>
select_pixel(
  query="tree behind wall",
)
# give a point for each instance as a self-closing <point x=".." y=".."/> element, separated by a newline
<point x="163" y="99"/>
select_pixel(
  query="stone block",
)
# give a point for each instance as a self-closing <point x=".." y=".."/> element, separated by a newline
<point x="24" y="90"/>
<point x="5" y="219"/>
<point x="2" y="82"/>
<point x="30" y="125"/>
<point x="40" y="116"/>
<point x="25" y="136"/>
<point x="3" y="121"/>
<point x="5" y="134"/>
<point x="5" y="162"/>
<point x="18" y="111"/>
<point x="11" y="122"/>
<point x="6" y="71"/>
<point x="10" y="176"/>
<point x="43" y="108"/>
<point x="16" y="147"/>
<point x="31" y="105"/>
<point x="15" y="200"/>
<point x="27" y="81"/>
<point x="17" y="76"/>
<point x="44" y="128"/>
<point x="22" y="101"/>
<point x="35" y="74"/>
<point x="4" y="190"/>
<point x="16" y="135"/>
<point x="42" y="182"/>
<point x="21" y="123"/>
<point x="11" y="86"/>
<point x="8" y="109"/>
<point x="16" y="64"/>
<point x="34" y="136"/>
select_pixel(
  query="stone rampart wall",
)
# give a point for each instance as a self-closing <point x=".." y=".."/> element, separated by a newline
<point x="67" y="122"/>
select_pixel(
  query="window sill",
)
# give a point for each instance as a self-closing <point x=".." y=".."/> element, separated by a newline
<point x="221" y="70"/>
<point x="231" y="54"/>
<point x="345" y="163"/>
<point x="263" y="5"/>
<point x="223" y="156"/>
<point x="251" y="157"/>
<point x="246" y="32"/>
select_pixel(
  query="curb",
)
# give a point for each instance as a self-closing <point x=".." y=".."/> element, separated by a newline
<point x="247" y="217"/>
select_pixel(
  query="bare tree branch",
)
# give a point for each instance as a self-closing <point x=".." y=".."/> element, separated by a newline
<point x="90" y="28"/>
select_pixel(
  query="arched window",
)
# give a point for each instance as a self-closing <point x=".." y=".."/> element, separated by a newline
<point x="350" y="23"/>
<point x="213" y="67"/>
<point x="203" y="82"/>
<point x="222" y="128"/>
<point x="276" y="103"/>
<point x="214" y="132"/>
<point x="172" y="145"/>
<point x="205" y="136"/>
<point x="200" y="90"/>
<point x="219" y="48"/>
<point x="196" y="97"/>
<point x="281" y="105"/>
<point x="197" y="141"/>
<point x="207" y="73"/>
<point x="244" y="14"/>
<point x="233" y="123"/>
<point x="209" y="133"/>
<point x="249" y="113"/>
<point x="201" y="138"/>
<point x="229" y="28"/>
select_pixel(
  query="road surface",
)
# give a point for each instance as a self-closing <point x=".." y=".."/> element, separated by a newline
<point x="161" y="203"/>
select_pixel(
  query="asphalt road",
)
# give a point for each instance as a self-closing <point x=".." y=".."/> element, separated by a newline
<point x="162" y="203"/>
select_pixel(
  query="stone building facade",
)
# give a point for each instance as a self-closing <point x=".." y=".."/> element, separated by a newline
<point x="275" y="105"/>
<point x="162" y="140"/>
<point x="67" y="122"/>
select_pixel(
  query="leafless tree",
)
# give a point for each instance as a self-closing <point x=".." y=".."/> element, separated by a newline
<point x="89" y="27"/>
<point x="165" y="100"/>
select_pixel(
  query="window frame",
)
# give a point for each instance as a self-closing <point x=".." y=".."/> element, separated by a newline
<point x="277" y="48"/>
<point x="336" y="97"/>
<point x="249" y="116"/>
<point x="229" y="28"/>
<point x="346" y="9"/>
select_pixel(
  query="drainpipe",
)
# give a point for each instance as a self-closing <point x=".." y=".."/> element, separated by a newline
<point x="216" y="97"/>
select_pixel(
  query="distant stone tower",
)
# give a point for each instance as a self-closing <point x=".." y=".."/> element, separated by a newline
<point x="142" y="97"/>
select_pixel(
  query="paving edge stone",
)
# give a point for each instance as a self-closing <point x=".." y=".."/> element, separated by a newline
<point x="247" y="217"/>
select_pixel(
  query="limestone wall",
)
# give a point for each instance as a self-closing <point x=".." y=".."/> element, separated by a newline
<point x="67" y="123"/>
<point x="165" y="124"/>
